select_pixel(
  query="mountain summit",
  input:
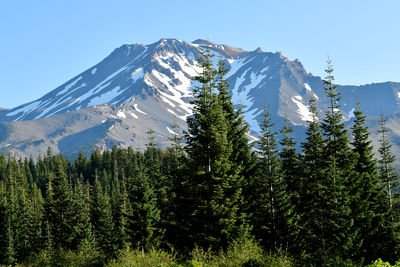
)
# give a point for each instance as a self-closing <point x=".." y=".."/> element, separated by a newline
<point x="138" y="87"/>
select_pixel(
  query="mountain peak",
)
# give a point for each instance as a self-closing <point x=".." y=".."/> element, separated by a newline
<point x="202" y="42"/>
<point x="223" y="49"/>
<point x="168" y="41"/>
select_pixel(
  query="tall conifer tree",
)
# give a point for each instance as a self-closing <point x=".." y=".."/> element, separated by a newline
<point x="310" y="210"/>
<point x="242" y="159"/>
<point x="213" y="182"/>
<point x="271" y="206"/>
<point x="60" y="212"/>
<point x="101" y="219"/>
<point x="389" y="179"/>
<point x="290" y="163"/>
<point x="367" y="198"/>
<point x="144" y="214"/>
<point x="387" y="172"/>
<point x="338" y="166"/>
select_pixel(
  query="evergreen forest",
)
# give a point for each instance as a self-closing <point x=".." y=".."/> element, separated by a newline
<point x="211" y="198"/>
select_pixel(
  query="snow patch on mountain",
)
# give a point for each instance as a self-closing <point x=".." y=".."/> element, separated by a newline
<point x="174" y="93"/>
<point x="141" y="55"/>
<point x="69" y="92"/>
<point x="121" y="114"/>
<point x="351" y="113"/>
<point x="182" y="117"/>
<point x="106" y="97"/>
<point x="242" y="94"/>
<point x="101" y="85"/>
<point x="94" y="71"/>
<point x="138" y="110"/>
<point x="251" y="118"/>
<point x="95" y="100"/>
<point x="252" y="138"/>
<point x="302" y="109"/>
<point x="137" y="74"/>
<point x="235" y="66"/>
<point x="236" y="95"/>
<point x="171" y="131"/>
<point x="25" y="109"/>
<point x="92" y="92"/>
<point x="133" y="115"/>
<point x="255" y="79"/>
<point x="69" y="86"/>
<point x="308" y="88"/>
<point x="49" y="110"/>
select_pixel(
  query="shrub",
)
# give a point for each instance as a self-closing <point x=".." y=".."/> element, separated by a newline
<point x="244" y="252"/>
<point x="138" y="257"/>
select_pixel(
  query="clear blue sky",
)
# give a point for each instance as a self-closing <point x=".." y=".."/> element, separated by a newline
<point x="46" y="42"/>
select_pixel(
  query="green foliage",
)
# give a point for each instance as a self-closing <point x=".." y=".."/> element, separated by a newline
<point x="140" y="257"/>
<point x="381" y="263"/>
<point x="81" y="258"/>
<point x="242" y="252"/>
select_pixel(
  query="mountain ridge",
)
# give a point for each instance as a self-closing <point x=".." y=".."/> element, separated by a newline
<point x="150" y="85"/>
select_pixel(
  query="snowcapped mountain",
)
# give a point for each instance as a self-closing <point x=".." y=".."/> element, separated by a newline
<point x="138" y="87"/>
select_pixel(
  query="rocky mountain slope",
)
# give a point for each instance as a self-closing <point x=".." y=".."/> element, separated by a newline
<point x="138" y="87"/>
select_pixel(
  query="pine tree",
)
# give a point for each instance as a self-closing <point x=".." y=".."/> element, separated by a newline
<point x="290" y="171"/>
<point x="290" y="163"/>
<point x="60" y="210"/>
<point x="101" y="219"/>
<point x="241" y="156"/>
<point x="338" y="166"/>
<point x="152" y="158"/>
<point x="389" y="180"/>
<point x="10" y="253"/>
<point x="212" y="181"/>
<point x="49" y="211"/>
<point x="176" y="149"/>
<point x="367" y="198"/>
<point x="144" y="213"/>
<point x="388" y="175"/>
<point x="242" y="159"/>
<point x="121" y="211"/>
<point x="81" y="200"/>
<point x="178" y="210"/>
<point x="174" y="166"/>
<point x="3" y="167"/>
<point x="311" y="207"/>
<point x="35" y="214"/>
<point x="3" y="222"/>
<point x="17" y="214"/>
<point x="272" y="212"/>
